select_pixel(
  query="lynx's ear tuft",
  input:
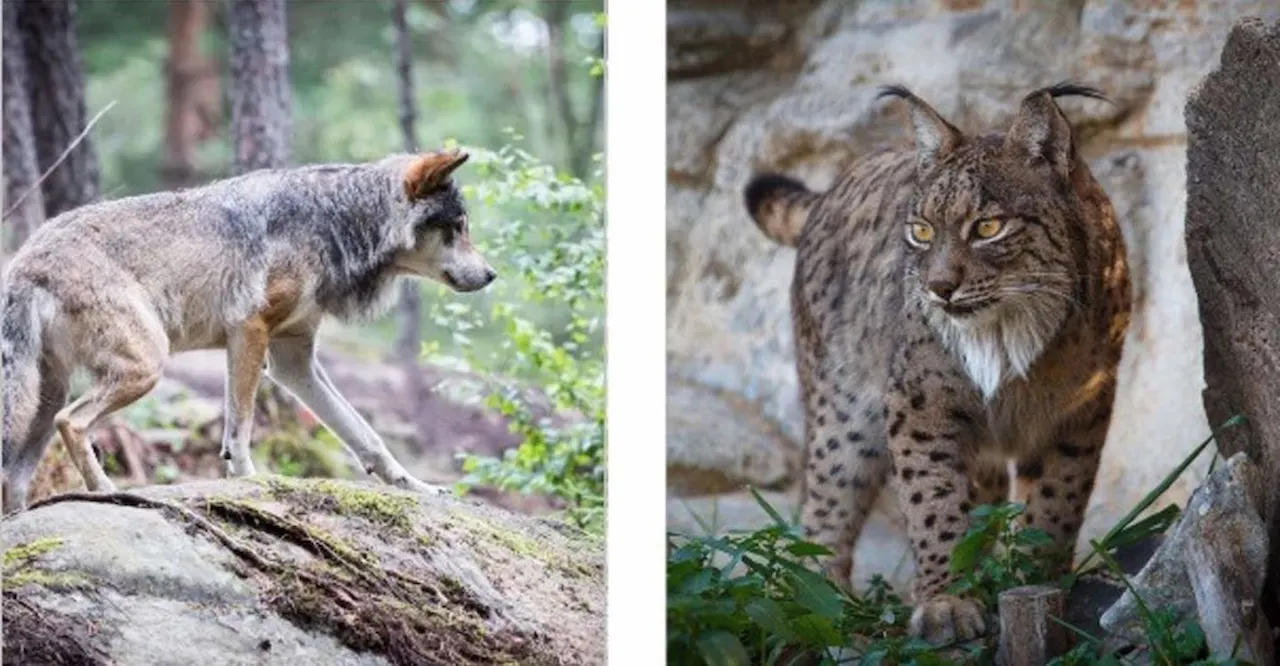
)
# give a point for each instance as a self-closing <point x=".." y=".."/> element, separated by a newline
<point x="935" y="137"/>
<point x="430" y="171"/>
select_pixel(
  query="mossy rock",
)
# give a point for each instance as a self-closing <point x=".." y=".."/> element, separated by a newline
<point x="284" y="571"/>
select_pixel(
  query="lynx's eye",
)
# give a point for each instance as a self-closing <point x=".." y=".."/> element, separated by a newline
<point x="920" y="233"/>
<point x="988" y="228"/>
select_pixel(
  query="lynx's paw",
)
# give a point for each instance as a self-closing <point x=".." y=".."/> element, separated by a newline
<point x="946" y="618"/>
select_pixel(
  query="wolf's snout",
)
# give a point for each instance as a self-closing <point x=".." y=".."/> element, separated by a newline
<point x="468" y="280"/>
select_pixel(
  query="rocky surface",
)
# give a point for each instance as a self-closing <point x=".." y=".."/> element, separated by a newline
<point x="1233" y="241"/>
<point x="268" y="570"/>
<point x="793" y="90"/>
<point x="1222" y="514"/>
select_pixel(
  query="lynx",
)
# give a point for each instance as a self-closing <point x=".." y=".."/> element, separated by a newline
<point x="955" y="306"/>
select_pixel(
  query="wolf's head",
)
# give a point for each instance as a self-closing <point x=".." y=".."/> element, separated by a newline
<point x="442" y="248"/>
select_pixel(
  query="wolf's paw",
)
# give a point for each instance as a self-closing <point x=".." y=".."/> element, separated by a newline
<point x="946" y="618"/>
<point x="413" y="485"/>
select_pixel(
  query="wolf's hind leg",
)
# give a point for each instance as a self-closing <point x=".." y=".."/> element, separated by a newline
<point x="294" y="366"/>
<point x="22" y="459"/>
<point x="246" y="349"/>
<point x="128" y="373"/>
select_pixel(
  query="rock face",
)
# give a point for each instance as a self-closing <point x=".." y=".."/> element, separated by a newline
<point x="1233" y="240"/>
<point x="269" y="570"/>
<point x="793" y="90"/>
<point x="1222" y="514"/>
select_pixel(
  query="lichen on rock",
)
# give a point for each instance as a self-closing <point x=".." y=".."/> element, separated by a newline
<point x="286" y="571"/>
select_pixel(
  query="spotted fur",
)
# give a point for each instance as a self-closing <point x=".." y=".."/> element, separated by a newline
<point x="936" y="362"/>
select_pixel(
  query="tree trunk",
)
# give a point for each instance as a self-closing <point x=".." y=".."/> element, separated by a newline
<point x="21" y="164"/>
<point x="192" y="91"/>
<point x="56" y="87"/>
<point x="44" y="112"/>
<point x="261" y="100"/>
<point x="586" y="149"/>
<point x="410" y="294"/>
<point x="261" y="118"/>
<point x="1233" y="193"/>
<point x="561" y="119"/>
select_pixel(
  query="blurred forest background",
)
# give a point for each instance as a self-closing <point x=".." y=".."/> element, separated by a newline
<point x="180" y="92"/>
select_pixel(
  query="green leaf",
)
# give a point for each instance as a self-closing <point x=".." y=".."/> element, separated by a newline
<point x="1156" y="523"/>
<point x="807" y="549"/>
<point x="814" y="592"/>
<point x="721" y="648"/>
<point x="773" y="513"/>
<point x="815" y="630"/>
<point x="967" y="551"/>
<point x="770" y="616"/>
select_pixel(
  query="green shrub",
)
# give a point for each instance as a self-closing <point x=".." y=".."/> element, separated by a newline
<point x="752" y="597"/>
<point x="551" y="244"/>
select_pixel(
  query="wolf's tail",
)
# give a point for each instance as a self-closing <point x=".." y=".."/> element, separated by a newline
<point x="779" y="205"/>
<point x="20" y="348"/>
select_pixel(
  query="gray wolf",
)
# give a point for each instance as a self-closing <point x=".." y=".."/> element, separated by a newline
<point x="955" y="306"/>
<point x="251" y="264"/>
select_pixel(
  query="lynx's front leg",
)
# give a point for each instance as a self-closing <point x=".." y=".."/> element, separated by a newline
<point x="846" y="464"/>
<point x="931" y="439"/>
<point x="1056" y="487"/>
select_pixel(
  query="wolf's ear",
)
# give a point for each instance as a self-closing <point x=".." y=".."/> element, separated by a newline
<point x="935" y="137"/>
<point x="430" y="171"/>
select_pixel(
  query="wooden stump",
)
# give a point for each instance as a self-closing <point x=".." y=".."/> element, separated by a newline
<point x="1028" y="634"/>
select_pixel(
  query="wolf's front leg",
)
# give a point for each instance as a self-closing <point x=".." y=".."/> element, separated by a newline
<point x="246" y="350"/>
<point x="294" y="366"/>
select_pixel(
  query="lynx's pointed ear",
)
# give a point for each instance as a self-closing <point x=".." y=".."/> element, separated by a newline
<point x="1041" y="131"/>
<point x="935" y="137"/>
<point x="430" y="171"/>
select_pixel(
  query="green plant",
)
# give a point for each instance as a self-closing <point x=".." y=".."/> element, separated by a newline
<point x="994" y="555"/>
<point x="554" y="243"/>
<point x="753" y="598"/>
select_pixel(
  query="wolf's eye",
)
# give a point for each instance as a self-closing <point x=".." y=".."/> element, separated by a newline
<point x="921" y="233"/>
<point x="988" y="228"/>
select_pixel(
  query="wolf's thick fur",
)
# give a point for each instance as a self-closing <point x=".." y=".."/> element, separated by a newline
<point x="250" y="264"/>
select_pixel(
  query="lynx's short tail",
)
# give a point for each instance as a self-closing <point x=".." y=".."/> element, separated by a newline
<point x="779" y="205"/>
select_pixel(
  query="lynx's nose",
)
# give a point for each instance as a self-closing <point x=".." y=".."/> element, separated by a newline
<point x="489" y="276"/>
<point x="943" y="289"/>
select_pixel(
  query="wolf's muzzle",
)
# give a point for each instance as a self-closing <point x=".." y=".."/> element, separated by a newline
<point x="474" y="283"/>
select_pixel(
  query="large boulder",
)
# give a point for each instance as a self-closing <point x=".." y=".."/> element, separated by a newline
<point x="799" y="96"/>
<point x="1233" y="241"/>
<point x="269" y="570"/>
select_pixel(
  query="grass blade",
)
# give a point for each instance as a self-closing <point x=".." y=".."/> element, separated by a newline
<point x="1155" y="493"/>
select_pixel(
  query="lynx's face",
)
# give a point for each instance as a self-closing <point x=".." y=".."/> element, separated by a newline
<point x="987" y="241"/>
